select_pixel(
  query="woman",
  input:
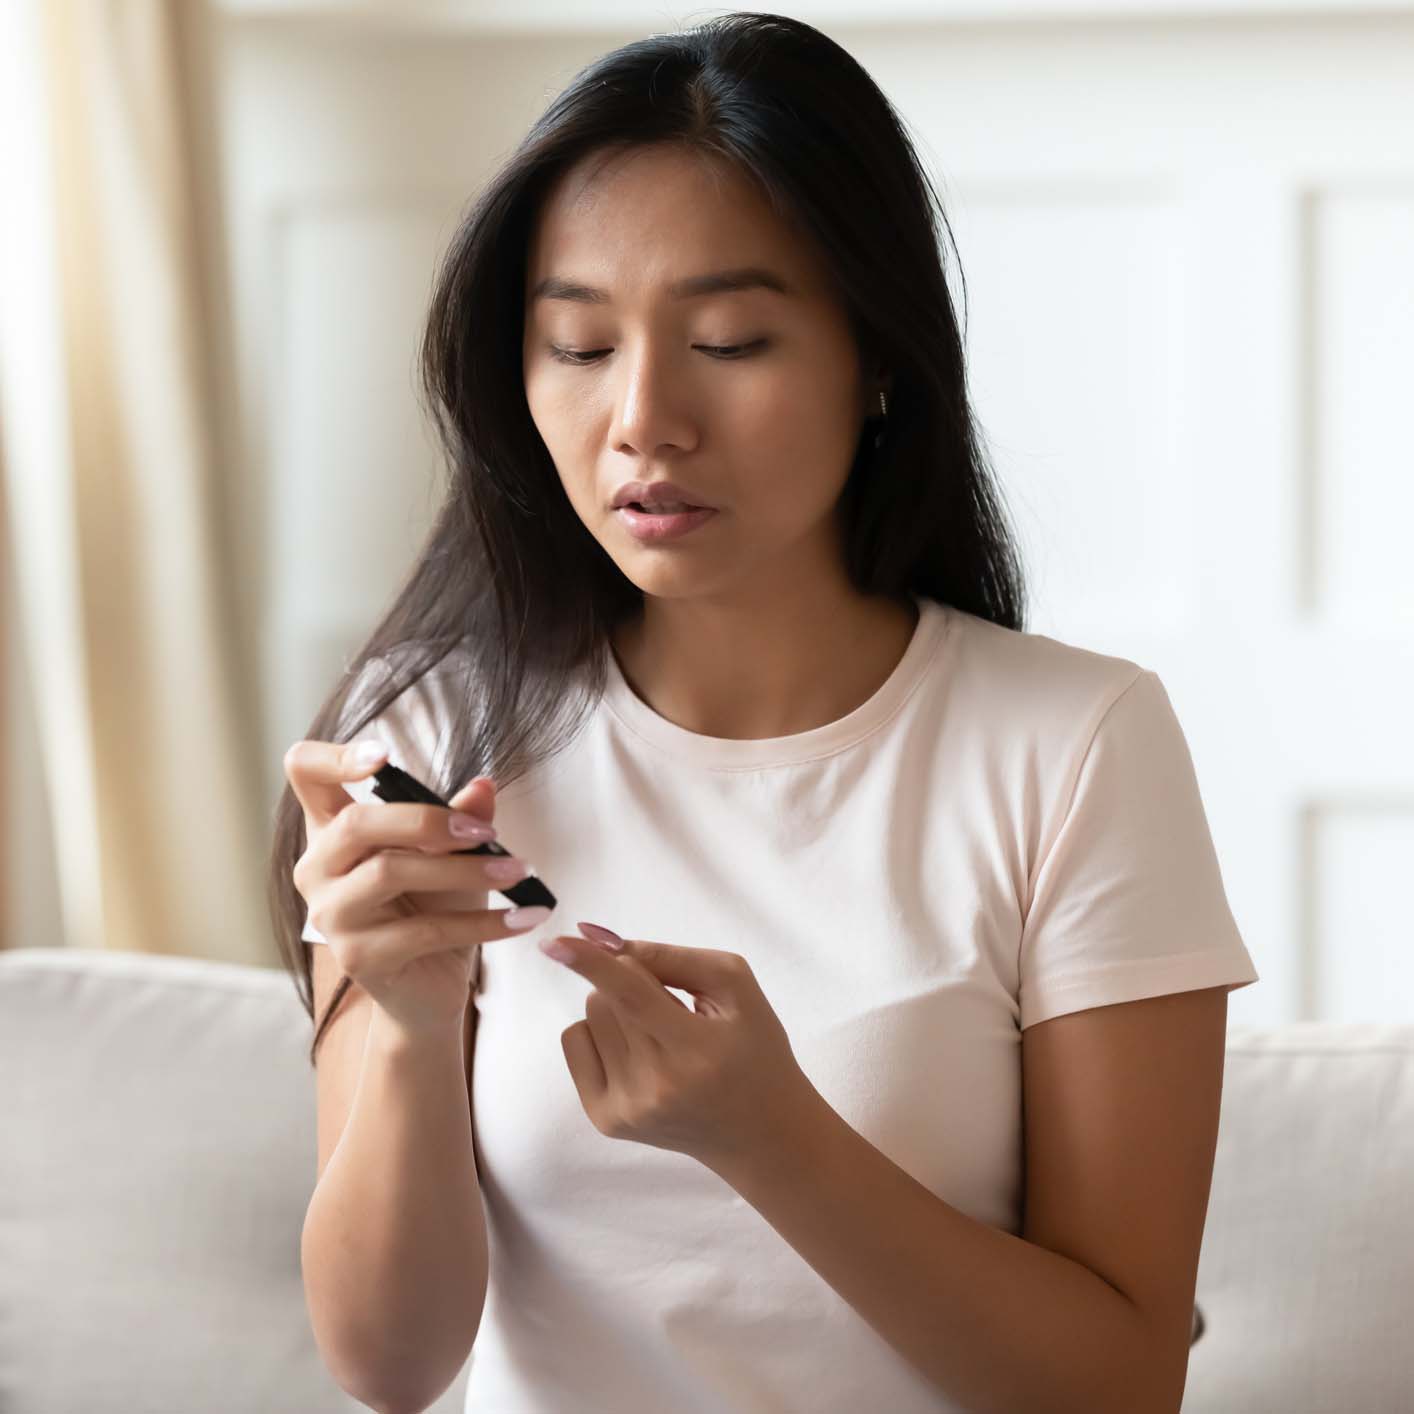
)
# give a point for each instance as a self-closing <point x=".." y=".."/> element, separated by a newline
<point x="903" y="1092"/>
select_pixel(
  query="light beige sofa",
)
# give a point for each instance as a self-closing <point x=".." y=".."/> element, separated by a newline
<point x="157" y="1155"/>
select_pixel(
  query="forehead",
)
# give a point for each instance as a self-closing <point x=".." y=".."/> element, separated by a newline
<point x="641" y="221"/>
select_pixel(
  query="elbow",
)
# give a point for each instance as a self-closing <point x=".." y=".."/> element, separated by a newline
<point x="399" y="1406"/>
<point x="409" y="1391"/>
<point x="392" y="1406"/>
<point x="403" y="1401"/>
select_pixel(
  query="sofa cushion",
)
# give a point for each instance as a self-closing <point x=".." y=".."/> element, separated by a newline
<point x="159" y="1155"/>
<point x="1308" y="1252"/>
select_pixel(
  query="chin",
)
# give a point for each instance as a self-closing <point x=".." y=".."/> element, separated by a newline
<point x="675" y="580"/>
<point x="668" y="585"/>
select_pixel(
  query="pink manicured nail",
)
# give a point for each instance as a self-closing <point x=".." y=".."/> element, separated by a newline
<point x="606" y="936"/>
<point x="519" y="919"/>
<point x="506" y="870"/>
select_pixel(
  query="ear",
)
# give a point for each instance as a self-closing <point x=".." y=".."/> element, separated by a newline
<point x="877" y="376"/>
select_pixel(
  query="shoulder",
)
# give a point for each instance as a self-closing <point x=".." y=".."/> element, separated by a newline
<point x="1031" y="687"/>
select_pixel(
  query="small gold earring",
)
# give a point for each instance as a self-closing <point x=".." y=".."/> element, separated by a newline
<point x="883" y="415"/>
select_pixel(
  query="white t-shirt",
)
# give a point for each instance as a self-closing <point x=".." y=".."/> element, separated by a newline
<point x="1009" y="829"/>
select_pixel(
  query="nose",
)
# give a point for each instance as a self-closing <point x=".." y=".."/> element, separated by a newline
<point x="652" y="407"/>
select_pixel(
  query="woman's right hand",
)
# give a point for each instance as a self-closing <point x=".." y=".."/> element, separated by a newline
<point x="363" y="867"/>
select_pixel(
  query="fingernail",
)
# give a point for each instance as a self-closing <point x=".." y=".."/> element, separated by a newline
<point x="369" y="753"/>
<point x="519" y="918"/>
<point x="506" y="871"/>
<point x="598" y="934"/>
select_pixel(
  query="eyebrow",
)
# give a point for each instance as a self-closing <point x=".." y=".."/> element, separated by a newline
<point x="716" y="282"/>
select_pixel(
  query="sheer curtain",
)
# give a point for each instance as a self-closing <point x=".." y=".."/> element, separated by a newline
<point x="106" y="430"/>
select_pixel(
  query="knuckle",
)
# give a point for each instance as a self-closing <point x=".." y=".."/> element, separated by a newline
<point x="348" y="823"/>
<point x="293" y="758"/>
<point x="379" y="869"/>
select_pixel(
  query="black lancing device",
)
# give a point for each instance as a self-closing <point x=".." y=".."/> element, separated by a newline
<point x="393" y="783"/>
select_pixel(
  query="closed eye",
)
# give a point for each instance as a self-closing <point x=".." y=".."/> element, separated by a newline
<point x="580" y="358"/>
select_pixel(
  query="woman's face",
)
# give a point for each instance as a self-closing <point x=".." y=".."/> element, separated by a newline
<point x="765" y="433"/>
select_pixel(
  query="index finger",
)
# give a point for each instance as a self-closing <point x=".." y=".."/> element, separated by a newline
<point x="628" y="984"/>
<point x="316" y="771"/>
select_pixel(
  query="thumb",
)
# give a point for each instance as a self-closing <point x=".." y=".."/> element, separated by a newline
<point x="477" y="797"/>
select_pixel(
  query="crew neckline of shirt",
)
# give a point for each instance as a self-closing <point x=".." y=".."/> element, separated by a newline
<point x="730" y="752"/>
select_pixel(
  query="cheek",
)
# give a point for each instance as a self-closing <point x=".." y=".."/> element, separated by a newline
<point x="547" y="409"/>
<point x="811" y="402"/>
<point x="799" y="454"/>
<point x="562" y="427"/>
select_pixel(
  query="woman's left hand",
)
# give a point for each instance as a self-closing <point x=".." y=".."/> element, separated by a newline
<point x="717" y="1083"/>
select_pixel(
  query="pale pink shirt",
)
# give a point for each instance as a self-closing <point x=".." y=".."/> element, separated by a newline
<point x="1008" y="830"/>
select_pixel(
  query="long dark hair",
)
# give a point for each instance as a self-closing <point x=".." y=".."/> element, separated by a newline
<point x="509" y="582"/>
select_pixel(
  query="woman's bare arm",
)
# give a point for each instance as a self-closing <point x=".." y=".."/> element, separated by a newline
<point x="394" y="1249"/>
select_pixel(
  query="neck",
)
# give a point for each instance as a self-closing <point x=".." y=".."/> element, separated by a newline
<point x="774" y="666"/>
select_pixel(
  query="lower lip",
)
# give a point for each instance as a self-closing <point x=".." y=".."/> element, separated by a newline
<point x="654" y="528"/>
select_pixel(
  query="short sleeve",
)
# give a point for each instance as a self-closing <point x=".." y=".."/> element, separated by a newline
<point x="1129" y="900"/>
<point x="409" y="727"/>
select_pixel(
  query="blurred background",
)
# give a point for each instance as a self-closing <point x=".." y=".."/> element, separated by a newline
<point x="1187" y="236"/>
